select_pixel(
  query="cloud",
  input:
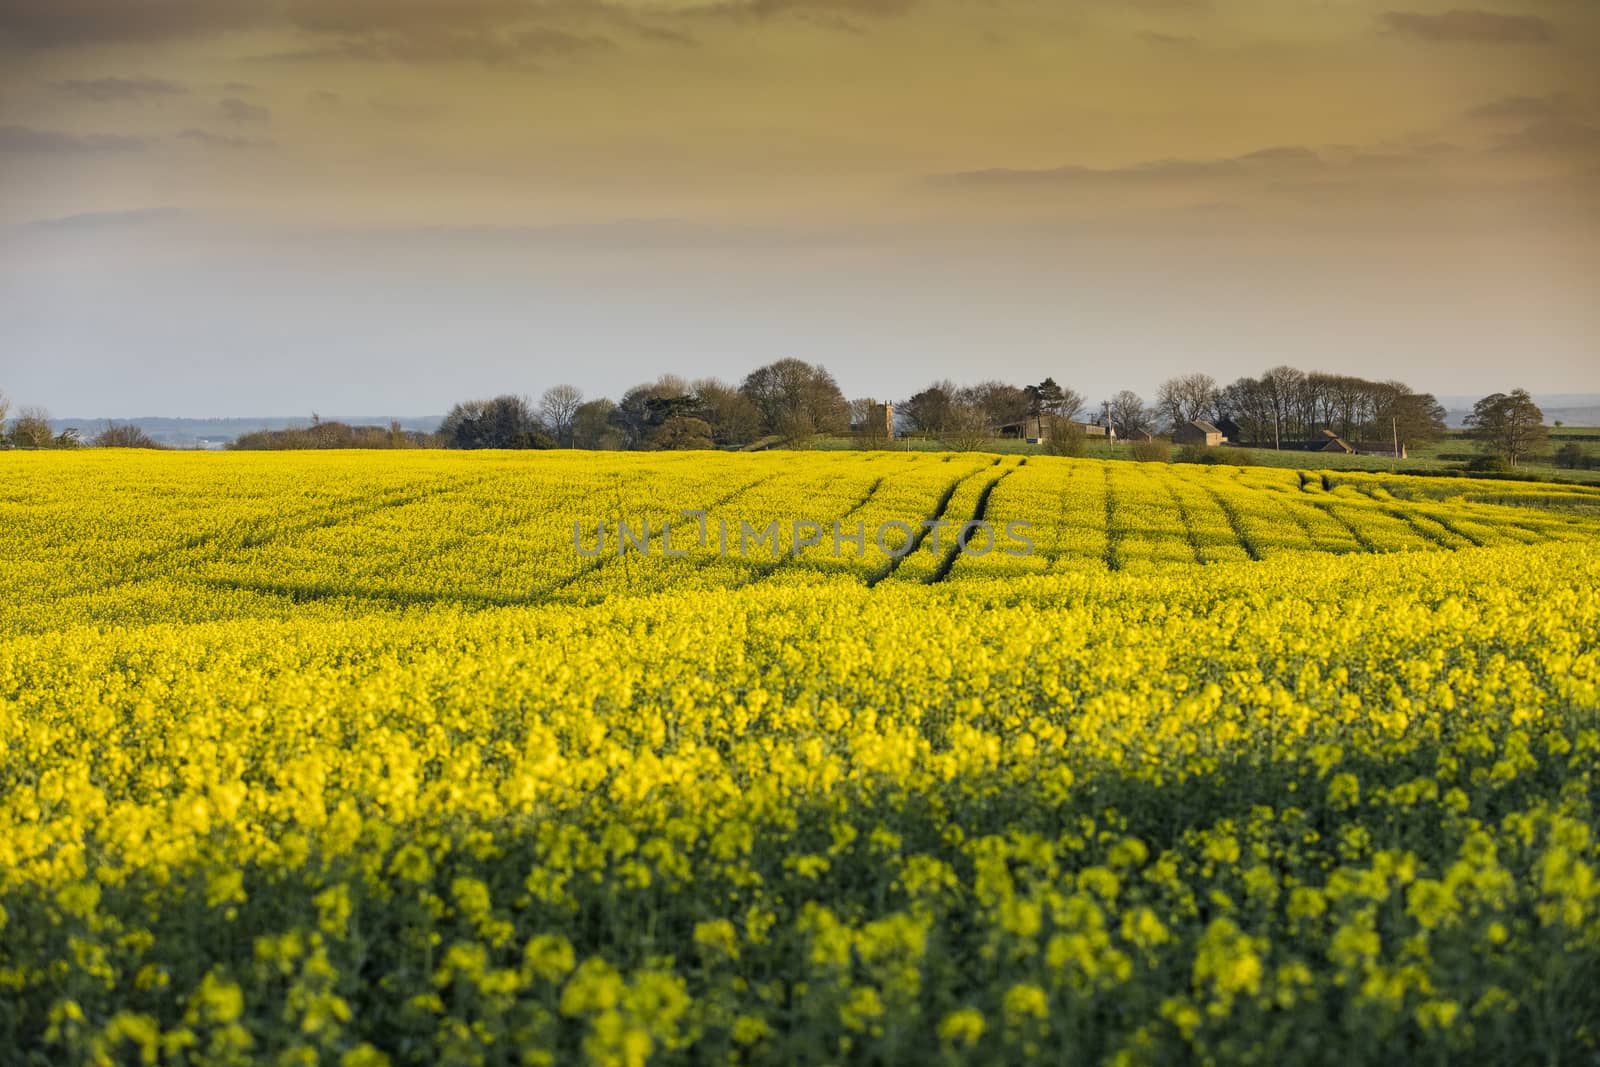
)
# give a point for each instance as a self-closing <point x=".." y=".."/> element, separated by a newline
<point x="407" y="110"/>
<point x="1170" y="7"/>
<point x="662" y="35"/>
<point x="27" y="140"/>
<point x="235" y="110"/>
<point x="1520" y="108"/>
<point x="1470" y="26"/>
<point x="833" y="14"/>
<point x="1279" y="161"/>
<point x="1558" y="137"/>
<point x="847" y="16"/>
<point x="1168" y="40"/>
<point x="517" y="48"/>
<point x="379" y="28"/>
<point x="1281" y="175"/>
<point x="493" y="32"/>
<point x="53" y="23"/>
<point x="95" y="220"/>
<point x="107" y="90"/>
<point x="324" y="98"/>
<point x="377" y="16"/>
<point x="223" y="140"/>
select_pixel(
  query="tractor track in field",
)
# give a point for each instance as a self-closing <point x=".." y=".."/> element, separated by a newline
<point x="979" y="510"/>
<point x="1361" y="539"/>
<point x="762" y="571"/>
<point x="599" y="562"/>
<point x="1188" y="523"/>
<point x="213" y="545"/>
<point x="1236" y="524"/>
<point x="920" y="534"/>
<point x="1112" y="556"/>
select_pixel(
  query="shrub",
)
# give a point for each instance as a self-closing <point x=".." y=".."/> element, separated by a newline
<point x="334" y="434"/>
<point x="1236" y="457"/>
<point x="504" y="422"/>
<point x="31" y="429"/>
<point x="1490" y="465"/>
<point x="124" y="436"/>
<point x="1570" y="456"/>
<point x="1063" y="437"/>
<point x="1155" y="451"/>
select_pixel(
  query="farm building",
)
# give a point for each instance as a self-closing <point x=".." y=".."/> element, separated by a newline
<point x="1197" y="432"/>
<point x="1361" y="448"/>
<point x="1335" y="443"/>
<point x="880" y="421"/>
<point x="1031" y="428"/>
<point x="1035" y="428"/>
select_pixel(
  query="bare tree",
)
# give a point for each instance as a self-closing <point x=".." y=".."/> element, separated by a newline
<point x="1126" y="413"/>
<point x="1282" y="388"/>
<point x="1406" y="417"/>
<point x="126" y="435"/>
<point x="1186" y="398"/>
<point x="5" y="409"/>
<point x="1001" y="403"/>
<point x="1245" y="402"/>
<point x="558" y="407"/>
<point x="966" y="427"/>
<point x="31" y="429"/>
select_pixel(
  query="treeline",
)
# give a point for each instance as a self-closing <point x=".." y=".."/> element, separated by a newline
<point x="1286" y="404"/>
<point x="1282" y="406"/>
<point x="333" y="434"/>
<point x="30" y="429"/>
<point x="791" y="402"/>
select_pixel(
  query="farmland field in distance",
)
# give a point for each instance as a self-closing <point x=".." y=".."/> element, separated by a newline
<point x="359" y="758"/>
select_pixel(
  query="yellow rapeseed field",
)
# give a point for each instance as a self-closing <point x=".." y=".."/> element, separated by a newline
<point x="344" y="758"/>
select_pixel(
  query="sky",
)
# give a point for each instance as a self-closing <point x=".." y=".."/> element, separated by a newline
<point x="272" y="207"/>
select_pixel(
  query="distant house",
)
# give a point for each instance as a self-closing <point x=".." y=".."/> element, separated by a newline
<point x="1030" y="429"/>
<point x="1362" y="448"/>
<point x="1198" y="432"/>
<point x="1335" y="443"/>
<point x="1035" y="429"/>
<point x="1138" y="435"/>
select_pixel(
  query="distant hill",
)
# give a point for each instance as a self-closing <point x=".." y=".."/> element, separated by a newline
<point x="215" y="433"/>
<point x="1574" y="409"/>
